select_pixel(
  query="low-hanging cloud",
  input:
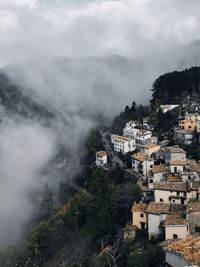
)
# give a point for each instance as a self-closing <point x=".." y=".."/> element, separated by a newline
<point x="24" y="151"/>
<point x="65" y="63"/>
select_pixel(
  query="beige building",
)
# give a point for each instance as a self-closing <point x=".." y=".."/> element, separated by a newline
<point x="175" y="192"/>
<point x="187" y="125"/>
<point x="176" y="227"/>
<point x="150" y="149"/>
<point x="101" y="158"/>
<point x="139" y="215"/>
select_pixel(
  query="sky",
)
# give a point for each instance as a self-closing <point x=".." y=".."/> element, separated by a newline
<point x="68" y="57"/>
<point x="40" y="28"/>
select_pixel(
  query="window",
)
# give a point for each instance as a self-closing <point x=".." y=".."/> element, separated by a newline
<point x="175" y="236"/>
<point x="178" y="193"/>
<point x="189" y="127"/>
<point x="141" y="215"/>
<point x="173" y="200"/>
<point x="151" y="181"/>
<point x="151" y="166"/>
<point x="161" y="200"/>
<point x="197" y="229"/>
<point x="175" y="169"/>
<point x="185" y="194"/>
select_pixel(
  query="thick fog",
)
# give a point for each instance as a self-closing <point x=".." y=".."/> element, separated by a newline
<point x="78" y="59"/>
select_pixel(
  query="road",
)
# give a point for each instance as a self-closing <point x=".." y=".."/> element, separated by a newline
<point x="115" y="159"/>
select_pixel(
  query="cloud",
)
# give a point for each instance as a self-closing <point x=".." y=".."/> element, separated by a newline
<point x="95" y="28"/>
<point x="59" y="39"/>
<point x="18" y="3"/>
<point x="24" y="151"/>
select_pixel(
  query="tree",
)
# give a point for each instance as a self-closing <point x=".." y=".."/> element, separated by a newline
<point x="102" y="213"/>
<point x="125" y="196"/>
<point x="116" y="175"/>
<point x="93" y="143"/>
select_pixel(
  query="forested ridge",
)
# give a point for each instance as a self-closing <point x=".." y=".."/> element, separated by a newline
<point x="99" y="204"/>
<point x="174" y="87"/>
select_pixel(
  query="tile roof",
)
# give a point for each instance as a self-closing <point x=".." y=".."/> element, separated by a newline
<point x="139" y="156"/>
<point x="175" y="219"/>
<point x="178" y="162"/>
<point x="143" y="188"/>
<point x="139" y="207"/>
<point x="188" y="247"/>
<point x="194" y="206"/>
<point x="160" y="168"/>
<point x="175" y="149"/>
<point x="101" y="153"/>
<point x="157" y="208"/>
<point x="174" y="178"/>
<point x="167" y="208"/>
<point x="120" y="138"/>
<point x="149" y="146"/>
<point x="191" y="162"/>
<point x="176" y="186"/>
<point x="196" y="168"/>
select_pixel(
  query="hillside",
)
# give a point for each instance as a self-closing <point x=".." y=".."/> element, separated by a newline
<point x="175" y="86"/>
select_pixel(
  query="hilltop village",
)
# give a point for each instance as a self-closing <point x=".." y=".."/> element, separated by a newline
<point x="132" y="195"/>
<point x="168" y="178"/>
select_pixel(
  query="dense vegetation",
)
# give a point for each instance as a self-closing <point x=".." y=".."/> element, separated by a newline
<point x="93" y="216"/>
<point x="93" y="212"/>
<point x="174" y="87"/>
<point x="135" y="112"/>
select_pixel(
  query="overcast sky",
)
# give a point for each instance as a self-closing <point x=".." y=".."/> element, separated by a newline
<point x="37" y="28"/>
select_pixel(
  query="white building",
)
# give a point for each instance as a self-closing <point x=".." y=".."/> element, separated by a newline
<point x="174" y="153"/>
<point x="186" y="137"/>
<point x="166" y="108"/>
<point x="175" y="192"/>
<point x="160" y="173"/>
<point x="147" y="122"/>
<point x="192" y="116"/>
<point x="194" y="216"/>
<point x="143" y="138"/>
<point x="176" y="166"/>
<point x="142" y="164"/>
<point x="122" y="144"/>
<point x="157" y="213"/>
<point x="176" y="227"/>
<point x="130" y="129"/>
<point x="101" y="158"/>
